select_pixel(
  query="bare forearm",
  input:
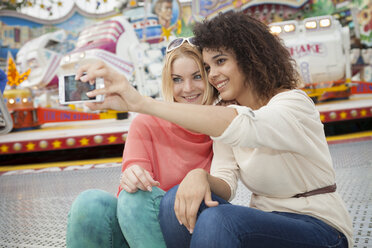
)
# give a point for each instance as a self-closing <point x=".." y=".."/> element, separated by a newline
<point x="219" y="187"/>
<point x="207" y="119"/>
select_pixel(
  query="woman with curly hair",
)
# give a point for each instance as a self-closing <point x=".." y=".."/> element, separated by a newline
<point x="272" y="140"/>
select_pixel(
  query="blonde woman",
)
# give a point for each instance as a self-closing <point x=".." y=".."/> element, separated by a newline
<point x="157" y="156"/>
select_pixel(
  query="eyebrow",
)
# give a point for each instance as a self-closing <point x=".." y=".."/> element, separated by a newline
<point x="214" y="58"/>
<point x="194" y="73"/>
<point x="218" y="55"/>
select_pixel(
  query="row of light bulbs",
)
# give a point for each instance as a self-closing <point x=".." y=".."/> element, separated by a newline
<point x="291" y="25"/>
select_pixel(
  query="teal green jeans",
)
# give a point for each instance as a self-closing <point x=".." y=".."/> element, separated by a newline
<point x="99" y="219"/>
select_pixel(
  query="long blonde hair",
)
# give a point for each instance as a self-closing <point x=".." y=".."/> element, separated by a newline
<point x="185" y="50"/>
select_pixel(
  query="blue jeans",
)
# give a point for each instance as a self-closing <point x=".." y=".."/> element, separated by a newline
<point x="230" y="225"/>
<point x="99" y="219"/>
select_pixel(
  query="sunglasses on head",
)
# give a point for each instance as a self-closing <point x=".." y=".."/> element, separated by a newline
<point x="176" y="43"/>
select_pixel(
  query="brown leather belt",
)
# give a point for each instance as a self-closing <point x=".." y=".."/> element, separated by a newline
<point x="327" y="189"/>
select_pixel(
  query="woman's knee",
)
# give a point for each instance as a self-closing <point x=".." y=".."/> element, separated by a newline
<point x="212" y="230"/>
<point x="209" y="216"/>
<point x="140" y="201"/>
<point x="215" y="220"/>
<point x="91" y="215"/>
<point x="139" y="198"/>
<point x="93" y="200"/>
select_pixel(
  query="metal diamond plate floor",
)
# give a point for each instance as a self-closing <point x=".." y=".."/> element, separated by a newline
<point x="34" y="207"/>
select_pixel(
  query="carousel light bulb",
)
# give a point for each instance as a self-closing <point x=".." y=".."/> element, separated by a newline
<point x="275" y="29"/>
<point x="289" y="28"/>
<point x="325" y="23"/>
<point x="310" y="25"/>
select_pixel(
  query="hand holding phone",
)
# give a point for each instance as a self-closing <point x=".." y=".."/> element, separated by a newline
<point x="73" y="91"/>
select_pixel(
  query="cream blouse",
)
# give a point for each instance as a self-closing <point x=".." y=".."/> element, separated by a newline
<point x="277" y="152"/>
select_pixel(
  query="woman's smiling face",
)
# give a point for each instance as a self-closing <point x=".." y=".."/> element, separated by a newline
<point x="224" y="74"/>
<point x="188" y="85"/>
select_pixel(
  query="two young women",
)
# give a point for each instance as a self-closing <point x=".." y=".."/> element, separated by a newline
<point x="157" y="156"/>
<point x="273" y="142"/>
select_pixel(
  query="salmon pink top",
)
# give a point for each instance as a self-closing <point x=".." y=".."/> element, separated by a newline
<point x="166" y="150"/>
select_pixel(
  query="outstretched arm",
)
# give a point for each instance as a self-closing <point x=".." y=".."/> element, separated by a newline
<point x="210" y="120"/>
<point x="120" y="95"/>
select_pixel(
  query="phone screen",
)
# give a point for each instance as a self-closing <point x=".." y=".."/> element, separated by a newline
<point x="75" y="90"/>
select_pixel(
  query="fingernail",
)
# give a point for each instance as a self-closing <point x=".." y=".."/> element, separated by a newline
<point x="149" y="188"/>
<point x="89" y="93"/>
<point x="180" y="222"/>
<point x="191" y="230"/>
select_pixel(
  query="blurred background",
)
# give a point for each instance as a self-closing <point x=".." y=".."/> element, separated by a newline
<point x="50" y="152"/>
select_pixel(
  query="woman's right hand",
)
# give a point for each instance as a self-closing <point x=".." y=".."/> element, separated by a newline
<point x="119" y="93"/>
<point x="193" y="189"/>
<point x="135" y="177"/>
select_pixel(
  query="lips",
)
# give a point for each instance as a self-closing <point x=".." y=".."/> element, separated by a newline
<point x="192" y="98"/>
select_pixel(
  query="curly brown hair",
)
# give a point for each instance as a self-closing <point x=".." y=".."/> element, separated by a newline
<point x="261" y="56"/>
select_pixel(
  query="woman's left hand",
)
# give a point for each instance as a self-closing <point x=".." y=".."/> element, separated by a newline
<point x="193" y="189"/>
